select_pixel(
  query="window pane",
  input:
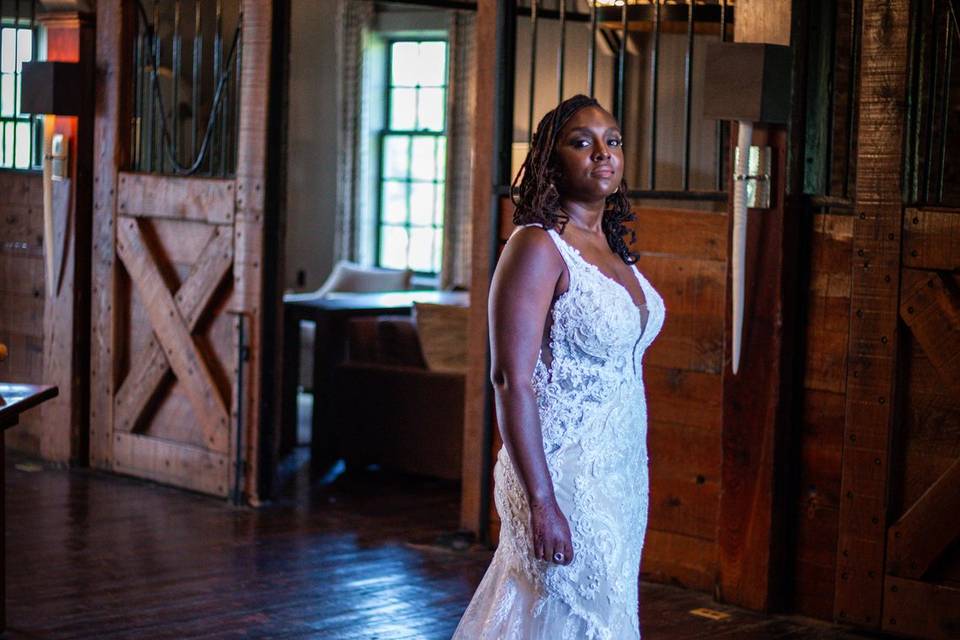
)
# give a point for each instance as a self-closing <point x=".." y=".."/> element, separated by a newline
<point x="394" y="205"/>
<point x="441" y="158"/>
<point x="423" y="164"/>
<point x="23" y="145"/>
<point x="7" y="50"/>
<point x="7" y="144"/>
<point x="24" y="47"/>
<point x="6" y="94"/>
<point x="403" y="109"/>
<point x="393" y="247"/>
<point x="433" y="64"/>
<point x="439" y="206"/>
<point x="431" y="110"/>
<point x="396" y="156"/>
<point x="421" y="249"/>
<point x="406" y="60"/>
<point x="421" y="203"/>
<point x="437" y="249"/>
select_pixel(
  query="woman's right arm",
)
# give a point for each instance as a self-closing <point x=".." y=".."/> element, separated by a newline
<point x="523" y="288"/>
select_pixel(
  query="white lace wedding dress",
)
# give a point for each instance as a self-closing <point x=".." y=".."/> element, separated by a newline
<point x="593" y="414"/>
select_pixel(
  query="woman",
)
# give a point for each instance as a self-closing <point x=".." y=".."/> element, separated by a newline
<point x="570" y="319"/>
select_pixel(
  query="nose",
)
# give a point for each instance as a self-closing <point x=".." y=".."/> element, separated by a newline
<point x="602" y="152"/>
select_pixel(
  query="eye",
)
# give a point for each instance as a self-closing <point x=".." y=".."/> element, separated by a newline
<point x="580" y="143"/>
<point x="614" y="142"/>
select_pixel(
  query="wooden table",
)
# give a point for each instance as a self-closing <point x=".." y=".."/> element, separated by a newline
<point x="331" y="314"/>
<point x="14" y="400"/>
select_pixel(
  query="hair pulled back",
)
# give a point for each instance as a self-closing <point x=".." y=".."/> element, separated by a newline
<point x="534" y="190"/>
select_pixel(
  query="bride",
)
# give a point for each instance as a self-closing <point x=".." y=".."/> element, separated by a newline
<point x="570" y="319"/>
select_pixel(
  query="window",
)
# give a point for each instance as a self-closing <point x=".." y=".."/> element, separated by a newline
<point x="413" y="154"/>
<point x="20" y="134"/>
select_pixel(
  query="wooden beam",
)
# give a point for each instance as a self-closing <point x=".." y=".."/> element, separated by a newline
<point x="921" y="609"/>
<point x="114" y="18"/>
<point x="473" y="507"/>
<point x="757" y="402"/>
<point x="254" y="110"/>
<point x="872" y="346"/>
<point x="157" y="196"/>
<point x="169" y="462"/>
<point x="933" y="315"/>
<point x="918" y="538"/>
<point x="931" y="239"/>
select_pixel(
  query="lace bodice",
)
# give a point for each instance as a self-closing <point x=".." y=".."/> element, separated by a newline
<point x="593" y="416"/>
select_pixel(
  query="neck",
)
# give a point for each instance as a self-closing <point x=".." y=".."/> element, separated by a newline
<point x="587" y="216"/>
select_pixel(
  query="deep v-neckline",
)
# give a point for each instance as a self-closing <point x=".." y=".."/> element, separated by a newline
<point x="636" y="272"/>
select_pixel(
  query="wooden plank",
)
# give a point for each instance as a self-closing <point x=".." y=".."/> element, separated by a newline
<point x="684" y="397"/>
<point x="931" y="239"/>
<point x="149" y="367"/>
<point x="763" y="21"/>
<point x="684" y="479"/>
<point x="922" y="534"/>
<point x="255" y="83"/>
<point x="921" y="609"/>
<point x="758" y="403"/>
<point x="158" y="196"/>
<point x="933" y="314"/>
<point x="22" y="313"/>
<point x="693" y="291"/>
<point x="881" y="107"/>
<point x="171" y="463"/>
<point x="114" y="19"/>
<point x="21" y="222"/>
<point x="681" y="233"/>
<point x="679" y="559"/>
<point x="185" y="359"/>
<point x="474" y="506"/>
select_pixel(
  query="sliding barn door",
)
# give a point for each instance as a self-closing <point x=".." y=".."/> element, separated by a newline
<point x="176" y="273"/>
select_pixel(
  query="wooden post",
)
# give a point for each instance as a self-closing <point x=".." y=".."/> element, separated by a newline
<point x="874" y="300"/>
<point x="112" y="46"/>
<point x="473" y="505"/>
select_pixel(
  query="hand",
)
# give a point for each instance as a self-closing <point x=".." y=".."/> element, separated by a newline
<point x="550" y="532"/>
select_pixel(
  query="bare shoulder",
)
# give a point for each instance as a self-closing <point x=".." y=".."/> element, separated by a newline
<point x="531" y="249"/>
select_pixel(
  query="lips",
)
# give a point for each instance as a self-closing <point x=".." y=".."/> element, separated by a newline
<point x="602" y="172"/>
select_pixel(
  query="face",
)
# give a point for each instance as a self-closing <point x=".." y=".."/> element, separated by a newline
<point x="589" y="155"/>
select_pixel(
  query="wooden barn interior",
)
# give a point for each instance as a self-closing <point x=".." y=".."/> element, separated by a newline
<point x="245" y="252"/>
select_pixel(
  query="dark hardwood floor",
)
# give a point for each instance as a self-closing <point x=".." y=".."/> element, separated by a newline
<point x="91" y="555"/>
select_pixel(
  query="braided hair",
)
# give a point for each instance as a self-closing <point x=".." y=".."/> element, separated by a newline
<point x="534" y="190"/>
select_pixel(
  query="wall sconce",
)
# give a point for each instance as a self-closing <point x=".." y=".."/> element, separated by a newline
<point x="747" y="83"/>
<point x="53" y="89"/>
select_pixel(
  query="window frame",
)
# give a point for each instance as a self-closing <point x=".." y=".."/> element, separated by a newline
<point x="386" y="131"/>
<point x="35" y="152"/>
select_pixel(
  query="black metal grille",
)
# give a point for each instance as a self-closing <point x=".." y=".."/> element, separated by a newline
<point x="185" y="87"/>
<point x="649" y="48"/>
<point x="933" y="172"/>
<point x="21" y="134"/>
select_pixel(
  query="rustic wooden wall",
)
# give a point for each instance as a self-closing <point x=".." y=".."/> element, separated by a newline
<point x="22" y="293"/>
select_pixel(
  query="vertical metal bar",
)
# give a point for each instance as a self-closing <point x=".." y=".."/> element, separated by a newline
<point x="234" y="105"/>
<point x="533" y="66"/>
<point x="176" y="42"/>
<point x="622" y="63"/>
<point x="718" y="135"/>
<point x="931" y="107"/>
<point x="852" y="91"/>
<point x="196" y="78"/>
<point x="156" y="150"/>
<point x="945" y="103"/>
<point x="137" y="99"/>
<point x="561" y="49"/>
<point x="506" y="91"/>
<point x="239" y="467"/>
<point x="654" y="73"/>
<point x="592" y="68"/>
<point x="687" y="98"/>
<point x="216" y="139"/>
